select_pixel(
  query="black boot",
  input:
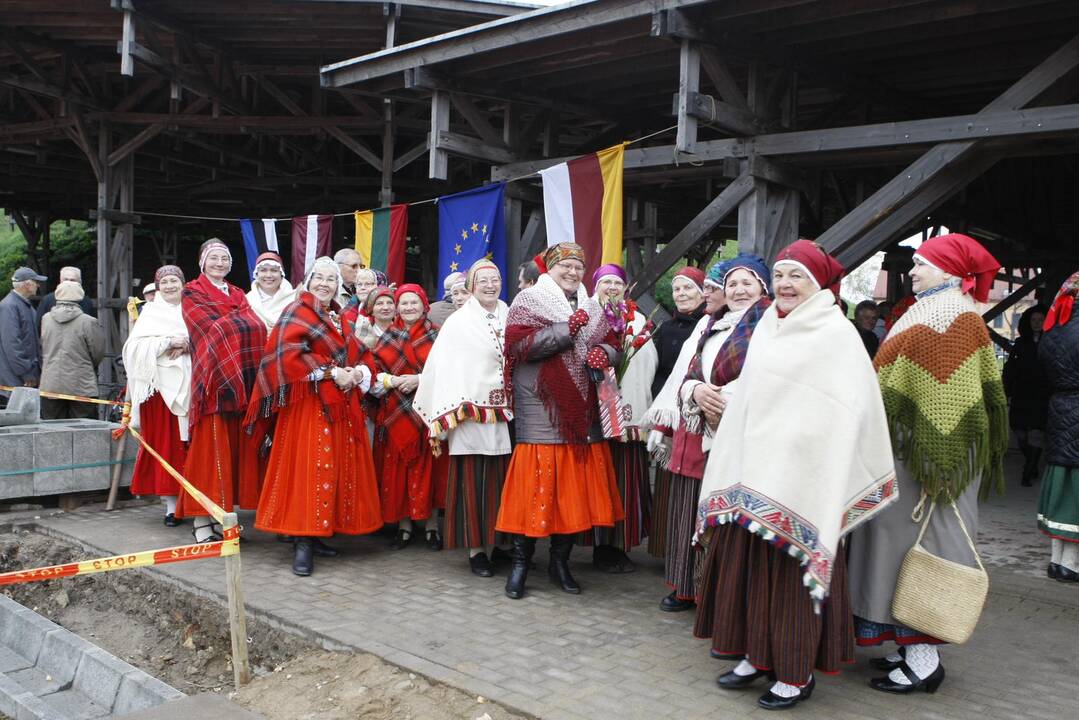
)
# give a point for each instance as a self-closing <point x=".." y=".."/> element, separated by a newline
<point x="303" y="557"/>
<point x="521" y="557"/>
<point x="561" y="545"/>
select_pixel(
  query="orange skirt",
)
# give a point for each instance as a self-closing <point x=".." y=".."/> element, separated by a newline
<point x="223" y="462"/>
<point x="555" y="490"/>
<point x="411" y="487"/>
<point x="321" y="476"/>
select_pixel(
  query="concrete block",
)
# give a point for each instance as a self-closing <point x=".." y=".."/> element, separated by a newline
<point x="23" y="407"/>
<point x="139" y="691"/>
<point x="61" y="654"/>
<point x="73" y="705"/>
<point x="204" y="705"/>
<point x="38" y="682"/>
<point x="99" y="675"/>
<point x="52" y="448"/>
<point x="18" y="704"/>
<point x="16" y="453"/>
<point x="10" y="661"/>
<point x="22" y="630"/>
<point x="90" y="445"/>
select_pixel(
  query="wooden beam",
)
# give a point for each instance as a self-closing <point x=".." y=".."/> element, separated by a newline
<point x="689" y="85"/>
<point x="355" y="146"/>
<point x="438" y="160"/>
<point x="1015" y="296"/>
<point x="457" y="144"/>
<point x="717" y="113"/>
<point x="238" y="123"/>
<point x="409" y="155"/>
<point x="135" y="143"/>
<point x="717" y="70"/>
<point x="127" y="63"/>
<point x="472" y="115"/>
<point x="712" y="214"/>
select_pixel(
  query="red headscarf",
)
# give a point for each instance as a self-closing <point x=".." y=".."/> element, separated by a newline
<point x="824" y="268"/>
<point x="965" y="258"/>
<point x="412" y="288"/>
<point x="1061" y="311"/>
<point x="696" y="275"/>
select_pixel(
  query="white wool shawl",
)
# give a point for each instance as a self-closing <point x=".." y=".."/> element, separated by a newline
<point x="149" y="369"/>
<point x="664" y="409"/>
<point x="463" y="377"/>
<point x="270" y="310"/>
<point x="802" y="455"/>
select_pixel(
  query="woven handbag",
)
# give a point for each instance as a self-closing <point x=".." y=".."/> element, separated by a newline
<point x="939" y="597"/>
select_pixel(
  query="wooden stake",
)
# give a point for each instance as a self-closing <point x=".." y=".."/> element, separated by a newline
<point x="241" y="670"/>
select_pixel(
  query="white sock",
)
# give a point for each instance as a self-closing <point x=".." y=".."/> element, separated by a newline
<point x="784" y="690"/>
<point x="170" y="504"/>
<point x="431" y="525"/>
<point x="744" y="668"/>
<point x="204" y="528"/>
<point x="405" y="525"/>
<point x="473" y="552"/>
<point x="893" y="657"/>
<point x="1069" y="556"/>
<point x="1058" y="549"/>
<point x="922" y="659"/>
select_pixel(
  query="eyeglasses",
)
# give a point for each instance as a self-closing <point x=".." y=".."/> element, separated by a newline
<point x="486" y="282"/>
<point x="356" y="265"/>
<point x="570" y="267"/>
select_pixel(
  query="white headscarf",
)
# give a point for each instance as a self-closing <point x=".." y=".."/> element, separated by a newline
<point x="270" y="309"/>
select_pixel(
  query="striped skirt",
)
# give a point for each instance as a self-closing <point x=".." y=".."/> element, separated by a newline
<point x="631" y="472"/>
<point x="753" y="603"/>
<point x="661" y="494"/>
<point x="680" y="559"/>
<point x="473" y="491"/>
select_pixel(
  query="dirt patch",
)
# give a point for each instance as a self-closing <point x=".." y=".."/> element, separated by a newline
<point x="184" y="640"/>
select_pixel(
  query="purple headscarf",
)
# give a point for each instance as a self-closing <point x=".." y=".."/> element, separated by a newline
<point x="608" y="269"/>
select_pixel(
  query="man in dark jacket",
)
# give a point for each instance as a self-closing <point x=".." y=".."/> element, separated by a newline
<point x="67" y="274"/>
<point x="20" y="357"/>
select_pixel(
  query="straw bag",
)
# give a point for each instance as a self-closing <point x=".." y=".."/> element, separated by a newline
<point x="937" y="596"/>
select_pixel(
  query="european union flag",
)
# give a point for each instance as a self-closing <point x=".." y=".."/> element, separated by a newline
<point x="471" y="226"/>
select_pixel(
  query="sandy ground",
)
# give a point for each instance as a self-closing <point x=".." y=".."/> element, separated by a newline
<point x="184" y="640"/>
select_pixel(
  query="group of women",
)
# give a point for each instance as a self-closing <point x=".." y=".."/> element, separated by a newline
<point x="792" y="474"/>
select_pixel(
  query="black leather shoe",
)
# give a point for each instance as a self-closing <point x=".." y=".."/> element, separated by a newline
<point x="731" y="680"/>
<point x="303" y="557"/>
<point x="523" y="547"/>
<point x="1066" y="575"/>
<point x="672" y="604"/>
<point x="724" y="656"/>
<point x="481" y="566"/>
<point x="1052" y="571"/>
<point x="929" y="684"/>
<point x="434" y="542"/>
<point x="171" y="521"/>
<point x="886" y="664"/>
<point x="324" y="550"/>
<point x="771" y="701"/>
<point x="558" y="569"/>
<point x="610" y="559"/>
<point x="402" y="540"/>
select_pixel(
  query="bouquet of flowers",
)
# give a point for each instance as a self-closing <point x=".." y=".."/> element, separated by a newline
<point x="620" y="318"/>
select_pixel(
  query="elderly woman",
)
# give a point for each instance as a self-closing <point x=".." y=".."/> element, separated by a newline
<point x="687" y="291"/>
<point x="366" y="281"/>
<point x="1058" y="507"/>
<point x="453" y="297"/>
<point x="157" y="359"/>
<point x="270" y="291"/>
<point x="710" y="378"/>
<point x="320" y="479"/>
<point x="408" y="471"/>
<point x="227" y="342"/>
<point x="462" y="394"/>
<point x="560" y="481"/>
<point x="627" y="452"/>
<point x="803" y="440"/>
<point x="948" y="417"/>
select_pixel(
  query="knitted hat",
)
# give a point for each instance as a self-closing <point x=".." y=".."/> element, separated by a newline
<point x="694" y="275"/>
<point x="964" y="257"/>
<point x="716" y="273"/>
<point x="69" y="291"/>
<point x="481" y="264"/>
<point x="412" y="288"/>
<point x="271" y="259"/>
<point x="823" y="269"/>
<point x="166" y="270"/>
<point x="562" y="251"/>
<point x="755" y="265"/>
<point x="608" y="269"/>
<point x="212" y="244"/>
<point x="454" y="278"/>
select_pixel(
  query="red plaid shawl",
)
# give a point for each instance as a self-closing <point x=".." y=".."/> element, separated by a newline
<point x="227" y="341"/>
<point x="403" y="351"/>
<point x="304" y="339"/>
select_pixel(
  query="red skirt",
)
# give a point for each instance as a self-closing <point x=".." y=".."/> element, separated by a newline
<point x="161" y="431"/>
<point x="411" y="487"/>
<point x="222" y="462"/>
<point x="559" y="490"/>
<point x="320" y="479"/>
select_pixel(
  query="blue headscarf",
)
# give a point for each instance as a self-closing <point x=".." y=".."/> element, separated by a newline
<point x="717" y="272"/>
<point x="753" y="263"/>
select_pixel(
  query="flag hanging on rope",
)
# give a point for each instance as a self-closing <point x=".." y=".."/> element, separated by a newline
<point x="381" y="239"/>
<point x="471" y="225"/>
<point x="259" y="236"/>
<point x="582" y="203"/>
<point x="312" y="237"/>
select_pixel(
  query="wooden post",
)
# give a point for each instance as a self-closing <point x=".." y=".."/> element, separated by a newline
<point x="438" y="167"/>
<point x="241" y="669"/>
<point x="689" y="83"/>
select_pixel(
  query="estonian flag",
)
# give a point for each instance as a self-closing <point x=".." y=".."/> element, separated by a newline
<point x="259" y="236"/>
<point x="312" y="237"/>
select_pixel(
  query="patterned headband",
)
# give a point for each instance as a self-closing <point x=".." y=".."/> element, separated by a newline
<point x="165" y="270"/>
<point x="563" y="251"/>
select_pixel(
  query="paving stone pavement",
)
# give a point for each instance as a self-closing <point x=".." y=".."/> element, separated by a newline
<point x="610" y="652"/>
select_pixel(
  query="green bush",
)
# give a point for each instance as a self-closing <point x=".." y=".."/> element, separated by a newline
<point x="662" y="291"/>
<point x="71" y="244"/>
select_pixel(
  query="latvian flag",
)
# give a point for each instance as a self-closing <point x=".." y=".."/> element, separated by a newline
<point x="582" y="202"/>
<point x="381" y="240"/>
<point x="259" y="236"/>
<point x="312" y="237"/>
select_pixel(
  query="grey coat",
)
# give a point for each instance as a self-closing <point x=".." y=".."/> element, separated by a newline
<point x="72" y="345"/>
<point x="20" y="358"/>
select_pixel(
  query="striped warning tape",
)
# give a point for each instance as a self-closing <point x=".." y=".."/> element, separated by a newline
<point x="211" y="507"/>
<point x="62" y="396"/>
<point x="181" y="553"/>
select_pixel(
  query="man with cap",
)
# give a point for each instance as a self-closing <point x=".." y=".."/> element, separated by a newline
<point x="20" y="357"/>
<point x="149" y="290"/>
<point x="454" y="296"/>
<point x="68" y="273"/>
<point x="72" y="346"/>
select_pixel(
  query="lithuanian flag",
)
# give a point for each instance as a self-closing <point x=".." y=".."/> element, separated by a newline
<point x="582" y="202"/>
<point x="381" y="238"/>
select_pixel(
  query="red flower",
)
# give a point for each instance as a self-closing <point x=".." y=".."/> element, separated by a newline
<point x="639" y="341"/>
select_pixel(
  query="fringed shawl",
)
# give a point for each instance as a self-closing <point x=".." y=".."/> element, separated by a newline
<point x="304" y="339"/>
<point x="463" y="378"/>
<point x="563" y="385"/>
<point x="150" y="371"/>
<point x="270" y="310"/>
<point x="663" y="414"/>
<point x="403" y="351"/>
<point x="947" y="412"/>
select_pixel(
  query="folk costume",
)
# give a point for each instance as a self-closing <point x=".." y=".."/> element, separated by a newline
<point x="560" y="480"/>
<point x="948" y="420"/>
<point x="672" y="334"/>
<point x="778" y="495"/>
<point x="159" y="389"/>
<point x="227" y="342"/>
<point x="409" y="472"/>
<point x="269" y="308"/>
<point x="320" y="478"/>
<point x="1058" y="506"/>
<point x="462" y="395"/>
<point x="720" y="354"/>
